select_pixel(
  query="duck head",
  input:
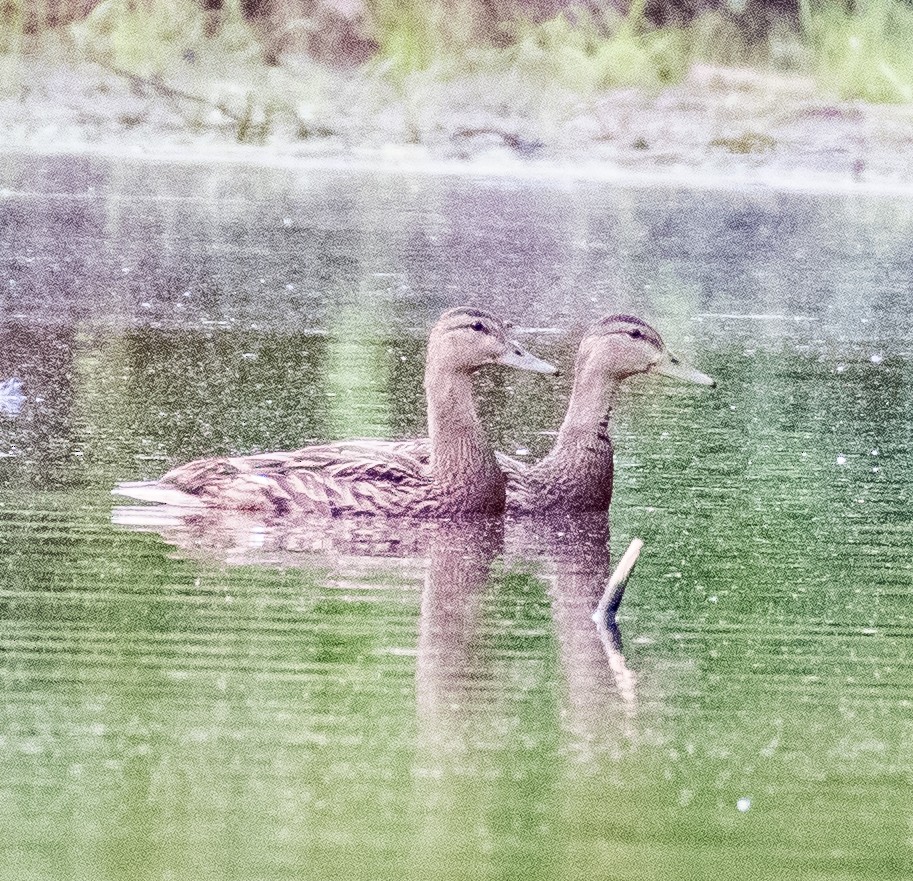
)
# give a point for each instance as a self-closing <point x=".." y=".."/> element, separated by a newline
<point x="619" y="346"/>
<point x="466" y="339"/>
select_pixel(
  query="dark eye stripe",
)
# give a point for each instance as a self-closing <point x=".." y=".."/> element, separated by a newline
<point x="640" y="334"/>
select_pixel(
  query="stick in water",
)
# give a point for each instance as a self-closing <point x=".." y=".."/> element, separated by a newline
<point x="618" y="581"/>
<point x="609" y="635"/>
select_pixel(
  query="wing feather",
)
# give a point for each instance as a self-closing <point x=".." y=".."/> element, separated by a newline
<point x="347" y="477"/>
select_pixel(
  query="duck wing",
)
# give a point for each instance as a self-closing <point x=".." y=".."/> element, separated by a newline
<point x="417" y="450"/>
<point x="522" y="488"/>
<point x="512" y="469"/>
<point x="417" y="453"/>
<point x="351" y="477"/>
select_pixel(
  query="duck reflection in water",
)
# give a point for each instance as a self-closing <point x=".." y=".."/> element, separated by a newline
<point x="570" y="554"/>
<point x="464" y="566"/>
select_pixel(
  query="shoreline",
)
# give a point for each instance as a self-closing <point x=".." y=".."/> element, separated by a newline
<point x="397" y="160"/>
<point x="719" y="129"/>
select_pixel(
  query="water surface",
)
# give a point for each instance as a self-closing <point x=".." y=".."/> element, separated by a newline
<point x="436" y="703"/>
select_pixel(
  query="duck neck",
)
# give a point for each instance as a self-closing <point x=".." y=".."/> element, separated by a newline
<point x="592" y="399"/>
<point x="458" y="443"/>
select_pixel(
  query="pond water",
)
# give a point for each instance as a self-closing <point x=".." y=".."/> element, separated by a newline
<point x="257" y="702"/>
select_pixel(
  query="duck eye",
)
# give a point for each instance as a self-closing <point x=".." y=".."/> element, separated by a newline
<point x="479" y="326"/>
<point x="635" y="334"/>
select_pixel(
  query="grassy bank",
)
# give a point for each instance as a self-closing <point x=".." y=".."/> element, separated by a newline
<point x="863" y="53"/>
<point x="855" y="50"/>
<point x="222" y="70"/>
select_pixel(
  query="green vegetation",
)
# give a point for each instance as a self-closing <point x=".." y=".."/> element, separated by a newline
<point x="214" y="67"/>
<point x="585" y="54"/>
<point x="210" y="69"/>
<point x="863" y="54"/>
<point x="858" y="52"/>
<point x="416" y="35"/>
<point x="152" y="38"/>
<point x="589" y="55"/>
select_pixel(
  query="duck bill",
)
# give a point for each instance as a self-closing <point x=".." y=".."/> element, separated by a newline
<point x="519" y="358"/>
<point x="670" y="365"/>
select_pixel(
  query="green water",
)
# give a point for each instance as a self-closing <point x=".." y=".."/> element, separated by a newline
<point x="233" y="703"/>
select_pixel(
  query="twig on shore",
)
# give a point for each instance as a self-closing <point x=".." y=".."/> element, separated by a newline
<point x="166" y="90"/>
<point x="519" y="145"/>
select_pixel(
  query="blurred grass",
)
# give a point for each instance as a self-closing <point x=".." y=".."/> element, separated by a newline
<point x="151" y="37"/>
<point x="861" y="50"/>
<point x="212" y="68"/>
<point x="415" y="35"/>
<point x="585" y="54"/>
<point x="594" y="54"/>
<point x="865" y="54"/>
<point x="534" y="70"/>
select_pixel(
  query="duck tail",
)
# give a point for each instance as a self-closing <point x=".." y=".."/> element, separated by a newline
<point x="153" y="491"/>
<point x="151" y="518"/>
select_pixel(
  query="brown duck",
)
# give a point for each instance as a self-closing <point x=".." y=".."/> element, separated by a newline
<point x="576" y="476"/>
<point x="457" y="473"/>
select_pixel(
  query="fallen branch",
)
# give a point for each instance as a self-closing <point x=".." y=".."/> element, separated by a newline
<point x="164" y="89"/>
<point x="609" y="635"/>
<point x="515" y="142"/>
<point x="618" y="581"/>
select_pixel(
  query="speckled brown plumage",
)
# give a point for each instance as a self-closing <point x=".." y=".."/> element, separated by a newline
<point x="576" y="476"/>
<point x="457" y="473"/>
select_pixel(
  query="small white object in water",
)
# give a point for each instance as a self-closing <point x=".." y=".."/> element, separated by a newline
<point x="874" y="452"/>
<point x="11" y="397"/>
<point x="521" y="451"/>
<point x="743" y="804"/>
<point x="249" y="356"/>
<point x="876" y="359"/>
<point x="841" y="368"/>
<point x="841" y="460"/>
